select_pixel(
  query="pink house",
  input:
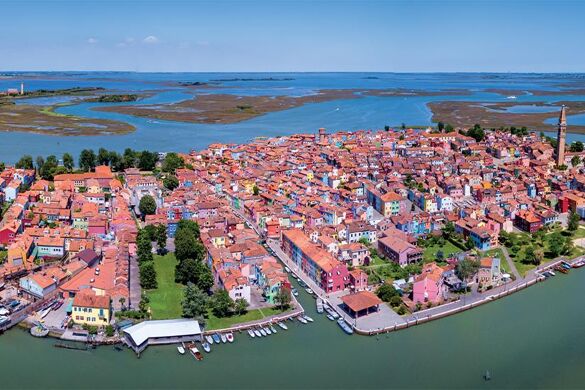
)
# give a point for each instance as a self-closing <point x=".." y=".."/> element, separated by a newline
<point x="428" y="286"/>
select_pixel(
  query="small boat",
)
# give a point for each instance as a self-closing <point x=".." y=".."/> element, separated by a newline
<point x="223" y="338"/>
<point x="511" y="97"/>
<point x="263" y="332"/>
<point x="345" y="326"/>
<point x="267" y="330"/>
<point x="308" y="318"/>
<point x="301" y="320"/>
<point x="209" y="339"/>
<point x="230" y="337"/>
<point x="272" y="329"/>
<point x="551" y="272"/>
<point x="181" y="349"/>
<point x="579" y="264"/>
<point x="206" y="347"/>
<point x="283" y="326"/>
<point x="330" y="317"/>
<point x="251" y="333"/>
<point x="319" y="306"/>
<point x="216" y="338"/>
<point x="309" y="291"/>
<point x="295" y="292"/>
<point x="195" y="352"/>
<point x="566" y="265"/>
<point x="287" y="269"/>
<point x="257" y="333"/>
<point x="487" y="376"/>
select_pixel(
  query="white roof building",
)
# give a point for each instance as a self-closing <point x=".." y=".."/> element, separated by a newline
<point x="139" y="336"/>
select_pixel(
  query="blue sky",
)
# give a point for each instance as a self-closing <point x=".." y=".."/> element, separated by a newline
<point x="394" y="36"/>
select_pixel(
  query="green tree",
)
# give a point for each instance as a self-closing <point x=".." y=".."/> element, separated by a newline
<point x="147" y="160"/>
<point x="395" y="301"/>
<point x="25" y="162"/>
<point x="147" y="205"/>
<point x="466" y="268"/>
<point x="575" y="160"/>
<point x="103" y="157"/>
<point x="195" y="302"/>
<point x="469" y="244"/>
<point x="556" y="242"/>
<point x="203" y="276"/>
<point x="186" y="271"/>
<point x="187" y="224"/>
<point x="440" y="126"/>
<point x="144" y="248"/>
<point x="573" y="223"/>
<point x="161" y="236"/>
<point x="171" y="182"/>
<point x="576" y="147"/>
<point x="171" y="162"/>
<point x="476" y="132"/>
<point x="68" y="162"/>
<point x="187" y="246"/>
<point x="129" y="158"/>
<point x="255" y="190"/>
<point x="283" y="298"/>
<point x="148" y="275"/>
<point x="222" y="305"/>
<point x="87" y="160"/>
<point x="49" y="168"/>
<point x="40" y="161"/>
<point x="386" y="291"/>
<point x="449" y="128"/>
<point x="241" y="306"/>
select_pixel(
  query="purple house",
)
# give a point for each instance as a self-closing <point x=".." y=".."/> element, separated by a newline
<point x="399" y="250"/>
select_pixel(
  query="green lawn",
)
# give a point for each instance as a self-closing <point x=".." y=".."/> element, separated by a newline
<point x="165" y="301"/>
<point x="213" y="322"/>
<point x="430" y="253"/>
<point x="497" y="252"/>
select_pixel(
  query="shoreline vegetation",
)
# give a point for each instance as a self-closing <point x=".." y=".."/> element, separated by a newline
<point x="115" y="98"/>
<point x="494" y="115"/>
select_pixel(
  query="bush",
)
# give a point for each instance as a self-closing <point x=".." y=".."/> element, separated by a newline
<point x="395" y="301"/>
<point x="401" y="310"/>
<point x="109" y="330"/>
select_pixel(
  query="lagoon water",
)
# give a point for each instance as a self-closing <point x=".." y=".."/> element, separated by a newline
<point x="531" y="339"/>
<point x="349" y="114"/>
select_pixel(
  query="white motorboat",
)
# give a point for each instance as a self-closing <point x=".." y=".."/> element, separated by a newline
<point x="308" y="318"/>
<point x="283" y="326"/>
<point x="302" y="320"/>
<point x="263" y="332"/>
<point x="309" y="291"/>
<point x="230" y="337"/>
<point x="287" y="269"/>
<point x="223" y="338"/>
<point x="267" y="330"/>
<point x="181" y="349"/>
<point x="273" y="329"/>
<point x="257" y="333"/>
<point x="330" y="317"/>
<point x="206" y="347"/>
<point x="209" y="339"/>
<point x="251" y="333"/>
<point x="319" y="305"/>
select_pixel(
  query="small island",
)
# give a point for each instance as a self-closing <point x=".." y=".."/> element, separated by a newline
<point x="119" y="98"/>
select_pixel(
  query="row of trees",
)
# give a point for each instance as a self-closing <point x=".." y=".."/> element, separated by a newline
<point x="144" y="240"/>
<point x="88" y="160"/>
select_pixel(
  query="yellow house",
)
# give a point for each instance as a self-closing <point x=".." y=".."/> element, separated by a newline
<point x="91" y="309"/>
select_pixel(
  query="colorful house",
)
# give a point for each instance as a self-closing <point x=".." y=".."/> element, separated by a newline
<point x="91" y="309"/>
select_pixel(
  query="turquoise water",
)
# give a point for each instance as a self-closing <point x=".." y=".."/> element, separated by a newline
<point x="532" y="339"/>
<point x="350" y="114"/>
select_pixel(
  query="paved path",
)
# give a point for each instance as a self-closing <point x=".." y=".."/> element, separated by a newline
<point x="511" y="264"/>
<point x="134" y="284"/>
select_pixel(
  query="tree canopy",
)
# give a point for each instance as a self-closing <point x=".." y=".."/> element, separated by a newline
<point x="147" y="205"/>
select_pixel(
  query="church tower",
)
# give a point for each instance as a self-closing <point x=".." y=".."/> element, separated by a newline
<point x="561" y="136"/>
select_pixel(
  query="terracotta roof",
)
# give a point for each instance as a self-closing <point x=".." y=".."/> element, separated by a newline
<point x="361" y="300"/>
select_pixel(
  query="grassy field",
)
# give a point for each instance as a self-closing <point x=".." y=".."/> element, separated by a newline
<point x="214" y="322"/>
<point x="165" y="301"/>
<point x="430" y="253"/>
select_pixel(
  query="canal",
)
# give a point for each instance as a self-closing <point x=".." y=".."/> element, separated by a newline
<point x="531" y="339"/>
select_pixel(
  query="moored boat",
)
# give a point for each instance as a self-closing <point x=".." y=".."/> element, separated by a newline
<point x="273" y="329"/>
<point x="195" y="352"/>
<point x="287" y="269"/>
<point x="308" y="318"/>
<point x="579" y="264"/>
<point x="251" y="333"/>
<point x="301" y="320"/>
<point x="267" y="330"/>
<point x="223" y="338"/>
<point x="230" y="337"/>
<point x="345" y="326"/>
<point x="309" y="291"/>
<point x="319" y="304"/>
<point x="295" y="292"/>
<point x="283" y="326"/>
<point x="216" y="338"/>
<point x="181" y="349"/>
<point x="257" y="333"/>
<point x="206" y="347"/>
<point x="330" y="317"/>
<point x="209" y="339"/>
<point x="263" y="332"/>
